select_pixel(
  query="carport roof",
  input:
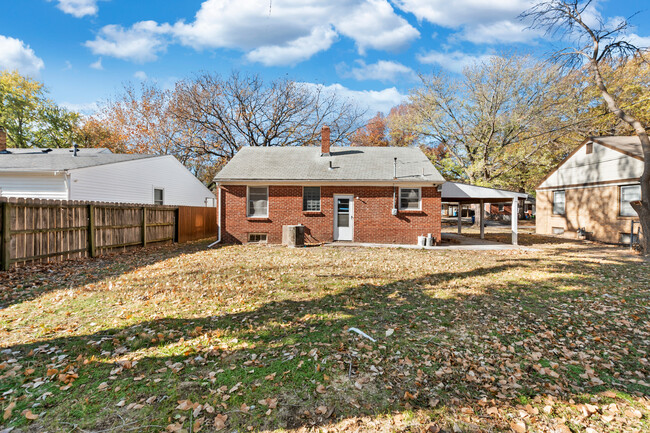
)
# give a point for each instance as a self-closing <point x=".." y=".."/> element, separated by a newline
<point x="456" y="192"/>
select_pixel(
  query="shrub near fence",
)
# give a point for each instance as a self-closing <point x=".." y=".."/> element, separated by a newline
<point x="36" y="230"/>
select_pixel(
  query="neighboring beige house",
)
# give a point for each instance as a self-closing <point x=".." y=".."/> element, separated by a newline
<point x="592" y="190"/>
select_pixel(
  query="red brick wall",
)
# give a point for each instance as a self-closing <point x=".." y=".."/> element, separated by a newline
<point x="507" y="209"/>
<point x="373" y="221"/>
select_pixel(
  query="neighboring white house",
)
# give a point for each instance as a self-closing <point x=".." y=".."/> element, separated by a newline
<point x="99" y="175"/>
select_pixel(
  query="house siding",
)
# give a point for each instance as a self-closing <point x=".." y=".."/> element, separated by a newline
<point x="134" y="182"/>
<point x="373" y="221"/>
<point x="596" y="209"/>
<point x="33" y="185"/>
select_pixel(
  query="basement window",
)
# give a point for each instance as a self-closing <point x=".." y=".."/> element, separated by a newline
<point x="629" y="193"/>
<point x="257" y="238"/>
<point x="558" y="230"/>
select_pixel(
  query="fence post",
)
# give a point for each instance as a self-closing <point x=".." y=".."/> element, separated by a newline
<point x="144" y="226"/>
<point x="92" y="249"/>
<point x="176" y="224"/>
<point x="6" y="236"/>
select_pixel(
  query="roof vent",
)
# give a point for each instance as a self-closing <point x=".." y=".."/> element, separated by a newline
<point x="46" y="150"/>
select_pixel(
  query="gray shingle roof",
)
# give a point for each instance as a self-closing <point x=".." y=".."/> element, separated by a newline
<point x="348" y="164"/>
<point x="56" y="150"/>
<point x="59" y="161"/>
<point x="630" y="145"/>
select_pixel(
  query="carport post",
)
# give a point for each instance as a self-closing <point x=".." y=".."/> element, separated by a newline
<point x="514" y="217"/>
<point x="481" y="217"/>
<point x="460" y="218"/>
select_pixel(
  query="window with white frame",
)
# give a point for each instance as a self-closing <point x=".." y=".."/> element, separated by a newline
<point x="311" y="198"/>
<point x="628" y="194"/>
<point x="258" y="201"/>
<point x="559" y="203"/>
<point x="410" y="199"/>
<point x="158" y="196"/>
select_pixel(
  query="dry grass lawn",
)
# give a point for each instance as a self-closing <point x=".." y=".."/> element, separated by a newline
<point x="256" y="338"/>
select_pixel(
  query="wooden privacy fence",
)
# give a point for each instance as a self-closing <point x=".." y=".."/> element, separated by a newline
<point x="36" y="230"/>
<point x="196" y="222"/>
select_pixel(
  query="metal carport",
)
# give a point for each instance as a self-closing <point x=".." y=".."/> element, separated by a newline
<point x="461" y="193"/>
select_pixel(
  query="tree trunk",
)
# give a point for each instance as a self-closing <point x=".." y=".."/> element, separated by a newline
<point x="642" y="208"/>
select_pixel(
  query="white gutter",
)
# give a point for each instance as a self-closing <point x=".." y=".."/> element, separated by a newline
<point x="218" y="218"/>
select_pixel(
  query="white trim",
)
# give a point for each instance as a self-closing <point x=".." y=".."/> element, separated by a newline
<point x="419" y="208"/>
<point x="153" y="194"/>
<point x="620" y="199"/>
<point x="563" y="191"/>
<point x="336" y="214"/>
<point x="316" y="182"/>
<point x="267" y="201"/>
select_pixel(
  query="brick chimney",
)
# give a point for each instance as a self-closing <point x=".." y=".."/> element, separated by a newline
<point x="3" y="139"/>
<point x="325" y="141"/>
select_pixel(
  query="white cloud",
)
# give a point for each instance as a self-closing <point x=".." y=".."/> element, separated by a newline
<point x="294" y="51"/>
<point x="454" y="61"/>
<point x="479" y="21"/>
<point x="374" y="24"/>
<point x="15" y="55"/>
<point x="383" y="70"/>
<point x="281" y="32"/>
<point x="141" y="75"/>
<point x="78" y="8"/>
<point x="83" y="108"/>
<point x="373" y="100"/>
<point x="642" y="42"/>
<point x="498" y="32"/>
<point x="140" y="43"/>
<point x="97" y="65"/>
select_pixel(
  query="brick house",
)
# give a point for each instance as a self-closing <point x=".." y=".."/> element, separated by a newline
<point x="359" y="194"/>
<point x="592" y="190"/>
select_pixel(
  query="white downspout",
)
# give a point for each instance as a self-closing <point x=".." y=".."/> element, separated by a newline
<point x="218" y="218"/>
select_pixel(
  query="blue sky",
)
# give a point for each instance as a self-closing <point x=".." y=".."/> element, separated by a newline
<point x="367" y="50"/>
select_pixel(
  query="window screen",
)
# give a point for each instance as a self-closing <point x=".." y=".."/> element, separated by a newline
<point x="311" y="198"/>
<point x="258" y="201"/>
<point x="629" y="193"/>
<point x="158" y="196"/>
<point x="558" y="202"/>
<point x="409" y="198"/>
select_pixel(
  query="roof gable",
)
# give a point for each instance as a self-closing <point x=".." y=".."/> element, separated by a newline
<point x="613" y="159"/>
<point x="343" y="164"/>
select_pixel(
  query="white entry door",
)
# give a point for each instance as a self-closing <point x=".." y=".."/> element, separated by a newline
<point x="343" y="217"/>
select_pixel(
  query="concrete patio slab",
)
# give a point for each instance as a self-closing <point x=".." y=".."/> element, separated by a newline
<point x="460" y="243"/>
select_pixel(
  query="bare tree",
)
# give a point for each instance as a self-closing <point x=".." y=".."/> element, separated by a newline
<point x="493" y="119"/>
<point x="597" y="44"/>
<point x="242" y="110"/>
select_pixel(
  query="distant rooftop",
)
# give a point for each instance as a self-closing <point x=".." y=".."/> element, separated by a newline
<point x="44" y="160"/>
<point x="347" y="164"/>
<point x="629" y="145"/>
<point x="56" y="150"/>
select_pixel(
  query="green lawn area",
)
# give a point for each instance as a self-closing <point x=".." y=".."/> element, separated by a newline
<point x="257" y="338"/>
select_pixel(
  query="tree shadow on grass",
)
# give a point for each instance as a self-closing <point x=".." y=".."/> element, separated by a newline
<point x="456" y="346"/>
